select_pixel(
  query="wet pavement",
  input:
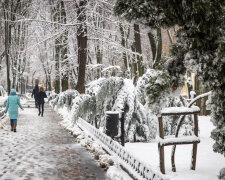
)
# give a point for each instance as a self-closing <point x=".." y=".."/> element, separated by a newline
<point x="41" y="149"/>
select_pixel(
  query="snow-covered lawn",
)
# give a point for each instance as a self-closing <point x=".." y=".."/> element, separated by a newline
<point x="208" y="164"/>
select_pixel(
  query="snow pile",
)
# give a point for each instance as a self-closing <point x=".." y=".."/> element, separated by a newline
<point x="113" y="174"/>
<point x="107" y="162"/>
<point x="133" y="165"/>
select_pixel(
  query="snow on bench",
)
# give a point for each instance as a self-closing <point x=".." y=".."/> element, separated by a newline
<point x="138" y="169"/>
<point x="178" y="140"/>
<point x="179" y="110"/>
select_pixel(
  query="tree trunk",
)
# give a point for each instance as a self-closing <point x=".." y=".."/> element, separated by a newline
<point x="7" y="43"/>
<point x="201" y="103"/>
<point x="82" y="45"/>
<point x="156" y="47"/>
<point x="159" y="49"/>
<point x="49" y="83"/>
<point x="61" y="50"/>
<point x="56" y="18"/>
<point x="57" y="72"/>
<point x="152" y="44"/>
<point x="64" y="50"/>
<point x="137" y="46"/>
<point x="123" y="40"/>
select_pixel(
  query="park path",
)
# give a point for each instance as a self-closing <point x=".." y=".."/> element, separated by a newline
<point x="41" y="149"/>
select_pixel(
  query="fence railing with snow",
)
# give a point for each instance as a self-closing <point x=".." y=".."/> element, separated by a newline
<point x="2" y="113"/>
<point x="130" y="163"/>
<point x="2" y="117"/>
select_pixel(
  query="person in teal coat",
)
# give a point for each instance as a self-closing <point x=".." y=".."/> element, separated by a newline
<point x="12" y="107"/>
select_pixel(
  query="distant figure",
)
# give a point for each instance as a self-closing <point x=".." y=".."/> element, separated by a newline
<point x="40" y="98"/>
<point x="12" y="107"/>
<point x="34" y="94"/>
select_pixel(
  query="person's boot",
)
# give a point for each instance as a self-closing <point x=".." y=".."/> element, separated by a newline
<point x="14" y="128"/>
<point x="39" y="113"/>
<point x="11" y="128"/>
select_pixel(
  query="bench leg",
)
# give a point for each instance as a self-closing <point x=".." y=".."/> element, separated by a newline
<point x="195" y="145"/>
<point x="194" y="155"/>
<point x="161" y="159"/>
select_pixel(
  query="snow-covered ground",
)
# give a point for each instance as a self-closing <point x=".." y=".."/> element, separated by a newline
<point x="208" y="164"/>
<point x="40" y="149"/>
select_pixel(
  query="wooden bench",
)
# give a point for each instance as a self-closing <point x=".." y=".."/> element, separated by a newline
<point x="162" y="141"/>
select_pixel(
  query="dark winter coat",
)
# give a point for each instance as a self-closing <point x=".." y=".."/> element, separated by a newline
<point x="35" y="91"/>
<point x="40" y="97"/>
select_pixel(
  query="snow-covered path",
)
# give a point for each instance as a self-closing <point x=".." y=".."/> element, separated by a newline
<point x="41" y="149"/>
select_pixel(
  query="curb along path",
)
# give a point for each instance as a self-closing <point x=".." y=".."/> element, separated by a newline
<point x="41" y="149"/>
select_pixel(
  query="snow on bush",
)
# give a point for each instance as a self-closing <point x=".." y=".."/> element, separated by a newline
<point x="66" y="97"/>
<point x="140" y="105"/>
<point x="154" y="88"/>
<point x="222" y="174"/>
<point x="102" y="95"/>
<point x="154" y="92"/>
<point x="127" y="102"/>
<point x="118" y="94"/>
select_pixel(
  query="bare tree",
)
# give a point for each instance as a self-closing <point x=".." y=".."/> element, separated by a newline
<point x="82" y="44"/>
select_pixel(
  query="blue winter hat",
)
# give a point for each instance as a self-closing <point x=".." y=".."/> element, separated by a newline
<point x="13" y="92"/>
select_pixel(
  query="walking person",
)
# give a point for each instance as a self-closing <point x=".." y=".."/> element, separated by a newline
<point x="12" y="107"/>
<point x="34" y="94"/>
<point x="40" y="98"/>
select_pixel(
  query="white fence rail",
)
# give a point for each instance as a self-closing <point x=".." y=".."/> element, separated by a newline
<point x="134" y="166"/>
<point x="2" y="113"/>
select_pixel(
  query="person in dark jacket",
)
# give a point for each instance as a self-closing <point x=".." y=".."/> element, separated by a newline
<point x="12" y="107"/>
<point x="40" y="98"/>
<point x="34" y="94"/>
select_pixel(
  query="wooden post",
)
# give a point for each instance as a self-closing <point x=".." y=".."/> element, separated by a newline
<point x="161" y="134"/>
<point x="161" y="148"/>
<point x="194" y="151"/>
